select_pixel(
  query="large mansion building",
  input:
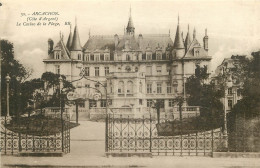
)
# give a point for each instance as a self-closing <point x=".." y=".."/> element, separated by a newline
<point x="135" y="69"/>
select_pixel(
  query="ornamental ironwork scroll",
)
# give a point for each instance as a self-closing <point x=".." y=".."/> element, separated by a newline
<point x="9" y="142"/>
<point x="141" y="135"/>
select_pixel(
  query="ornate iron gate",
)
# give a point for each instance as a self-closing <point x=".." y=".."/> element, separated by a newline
<point x="13" y="142"/>
<point x="141" y="135"/>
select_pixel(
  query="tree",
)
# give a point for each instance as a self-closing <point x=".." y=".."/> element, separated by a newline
<point x="249" y="105"/>
<point x="243" y="120"/>
<point x="52" y="87"/>
<point x="15" y="70"/>
<point x="204" y="93"/>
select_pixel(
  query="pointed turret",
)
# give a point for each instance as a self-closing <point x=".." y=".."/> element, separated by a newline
<point x="187" y="40"/>
<point x="69" y="42"/>
<point x="194" y="34"/>
<point x="130" y="29"/>
<point x="75" y="46"/>
<point x="178" y="42"/>
<point x="178" y="46"/>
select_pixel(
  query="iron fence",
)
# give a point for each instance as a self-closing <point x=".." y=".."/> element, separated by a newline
<point x="146" y="135"/>
<point x="13" y="141"/>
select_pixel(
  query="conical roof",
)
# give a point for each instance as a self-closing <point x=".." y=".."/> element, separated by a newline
<point x="69" y="42"/>
<point x="130" y="22"/>
<point x="75" y="46"/>
<point x="187" y="40"/>
<point x="178" y="42"/>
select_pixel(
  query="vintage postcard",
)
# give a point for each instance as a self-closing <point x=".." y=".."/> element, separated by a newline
<point x="110" y="83"/>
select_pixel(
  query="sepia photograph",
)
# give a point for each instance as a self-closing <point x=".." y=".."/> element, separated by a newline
<point x="134" y="83"/>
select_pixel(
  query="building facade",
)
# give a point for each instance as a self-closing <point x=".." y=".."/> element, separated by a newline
<point x="230" y="70"/>
<point x="135" y="69"/>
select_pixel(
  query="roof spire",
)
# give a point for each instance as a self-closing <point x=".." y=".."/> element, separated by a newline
<point x="130" y="29"/>
<point x="178" y="42"/>
<point x="178" y="18"/>
<point x="69" y="42"/>
<point x="194" y="33"/>
<point x="130" y="11"/>
<point x="89" y="33"/>
<point x="75" y="46"/>
<point x="187" y="40"/>
<point x="206" y="32"/>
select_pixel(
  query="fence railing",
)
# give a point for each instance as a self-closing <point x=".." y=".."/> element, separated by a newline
<point x="126" y="134"/>
<point x="26" y="139"/>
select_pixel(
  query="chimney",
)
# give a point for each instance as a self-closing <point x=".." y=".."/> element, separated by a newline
<point x="116" y="39"/>
<point x="205" y="41"/>
<point x="50" y="45"/>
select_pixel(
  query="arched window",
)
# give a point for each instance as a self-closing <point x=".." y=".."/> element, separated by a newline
<point x="129" y="87"/>
<point x="79" y="56"/>
<point x="121" y="87"/>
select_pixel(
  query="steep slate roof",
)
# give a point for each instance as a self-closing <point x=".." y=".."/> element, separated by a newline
<point x="130" y="22"/>
<point x="195" y="44"/>
<point x="187" y="40"/>
<point x="129" y="42"/>
<point x="60" y="46"/>
<point x="100" y="43"/>
<point x="75" y="46"/>
<point x="178" y="42"/>
<point x="69" y="42"/>
<point x="164" y="40"/>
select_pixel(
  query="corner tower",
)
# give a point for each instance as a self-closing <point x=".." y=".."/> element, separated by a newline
<point x="178" y="46"/>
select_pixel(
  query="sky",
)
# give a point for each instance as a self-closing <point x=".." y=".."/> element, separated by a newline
<point x="233" y="26"/>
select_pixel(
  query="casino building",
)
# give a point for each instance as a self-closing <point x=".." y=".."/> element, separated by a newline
<point x="136" y="69"/>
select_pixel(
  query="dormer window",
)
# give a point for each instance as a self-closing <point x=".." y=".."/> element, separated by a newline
<point x="128" y="57"/>
<point x="96" y="57"/>
<point x="196" y="53"/>
<point x="149" y="56"/>
<point x="57" y="55"/>
<point x="87" y="57"/>
<point x="79" y="56"/>
<point x="107" y="58"/>
<point x="158" y="56"/>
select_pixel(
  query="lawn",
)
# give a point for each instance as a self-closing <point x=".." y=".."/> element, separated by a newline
<point x="39" y="125"/>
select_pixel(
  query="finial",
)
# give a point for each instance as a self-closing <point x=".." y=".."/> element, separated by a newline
<point x="70" y="27"/>
<point x="89" y="33"/>
<point x="169" y="32"/>
<point x="194" y="33"/>
<point x="188" y="27"/>
<point x="130" y="10"/>
<point x="75" y="20"/>
<point x="60" y="35"/>
<point x="206" y="32"/>
<point x="178" y="19"/>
